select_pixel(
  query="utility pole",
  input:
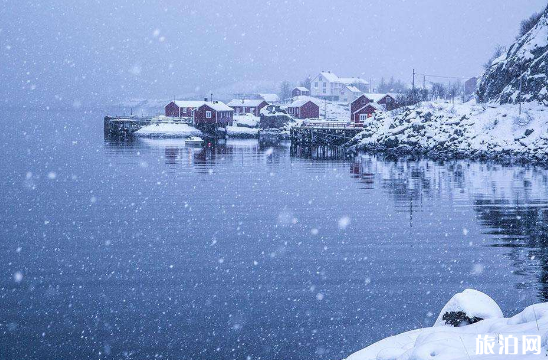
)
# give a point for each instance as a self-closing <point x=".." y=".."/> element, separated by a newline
<point x="413" y="88"/>
<point x="424" y="82"/>
<point x="211" y="98"/>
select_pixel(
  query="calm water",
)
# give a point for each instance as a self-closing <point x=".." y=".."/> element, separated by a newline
<point x="150" y="249"/>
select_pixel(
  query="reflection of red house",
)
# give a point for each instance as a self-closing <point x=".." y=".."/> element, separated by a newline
<point x="215" y="112"/>
<point x="304" y="109"/>
<point x="182" y="108"/>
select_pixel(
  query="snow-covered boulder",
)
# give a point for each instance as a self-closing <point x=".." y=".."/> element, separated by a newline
<point x="468" y="307"/>
<point x="460" y="343"/>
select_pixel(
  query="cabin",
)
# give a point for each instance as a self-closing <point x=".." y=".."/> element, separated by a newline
<point x="304" y="109"/>
<point x="248" y="106"/>
<point x="300" y="91"/>
<point x="365" y="112"/>
<point x="215" y="112"/>
<point x="389" y="102"/>
<point x="182" y="108"/>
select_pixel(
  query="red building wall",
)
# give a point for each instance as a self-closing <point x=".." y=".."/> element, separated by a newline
<point x="308" y="110"/>
<point x="389" y="102"/>
<point x="359" y="103"/>
<point x="368" y="110"/>
<point x="246" y="109"/>
<point x="222" y="117"/>
<point x="172" y="110"/>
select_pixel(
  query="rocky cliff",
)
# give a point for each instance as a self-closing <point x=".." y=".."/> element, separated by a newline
<point x="526" y="61"/>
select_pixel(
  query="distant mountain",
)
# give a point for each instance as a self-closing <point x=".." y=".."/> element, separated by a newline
<point x="526" y="59"/>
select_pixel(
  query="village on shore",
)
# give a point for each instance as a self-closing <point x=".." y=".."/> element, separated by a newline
<point x="347" y="102"/>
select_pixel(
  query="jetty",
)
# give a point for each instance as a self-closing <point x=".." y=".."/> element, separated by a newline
<point x="331" y="133"/>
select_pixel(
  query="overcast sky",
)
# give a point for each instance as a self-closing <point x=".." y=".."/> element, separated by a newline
<point x="62" y="51"/>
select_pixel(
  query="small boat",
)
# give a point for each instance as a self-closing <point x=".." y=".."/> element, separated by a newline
<point x="194" y="140"/>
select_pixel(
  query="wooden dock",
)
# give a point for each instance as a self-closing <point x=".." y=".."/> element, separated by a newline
<point x="331" y="133"/>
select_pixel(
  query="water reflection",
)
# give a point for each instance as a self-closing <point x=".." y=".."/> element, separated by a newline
<point x="510" y="202"/>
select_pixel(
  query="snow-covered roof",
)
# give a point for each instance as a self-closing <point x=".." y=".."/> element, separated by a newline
<point x="375" y="97"/>
<point x="301" y="100"/>
<point x="270" y="98"/>
<point x="188" y="103"/>
<point x="353" y="80"/>
<point x="301" y="88"/>
<point x="353" y="89"/>
<point x="373" y="105"/>
<point x="218" y="106"/>
<point x="245" y="102"/>
<point x="329" y="76"/>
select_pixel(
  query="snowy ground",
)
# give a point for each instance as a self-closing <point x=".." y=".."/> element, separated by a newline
<point x="247" y="120"/>
<point x="168" y="130"/>
<point x="463" y="130"/>
<point x="446" y="342"/>
<point x="335" y="110"/>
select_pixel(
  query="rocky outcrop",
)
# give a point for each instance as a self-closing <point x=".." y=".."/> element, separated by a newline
<point x="525" y="63"/>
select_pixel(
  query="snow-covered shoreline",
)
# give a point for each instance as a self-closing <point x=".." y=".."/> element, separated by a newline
<point x="164" y="130"/>
<point x="447" y="340"/>
<point x="469" y="130"/>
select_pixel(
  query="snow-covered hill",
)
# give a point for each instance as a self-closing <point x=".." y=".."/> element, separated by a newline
<point x="526" y="61"/>
<point x="462" y="130"/>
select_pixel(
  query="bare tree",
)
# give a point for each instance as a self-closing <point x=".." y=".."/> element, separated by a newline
<point x="529" y="23"/>
<point x="499" y="50"/>
<point x="285" y="90"/>
<point x="307" y="83"/>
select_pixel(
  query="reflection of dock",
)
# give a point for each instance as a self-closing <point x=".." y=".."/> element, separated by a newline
<point x="323" y="133"/>
<point x="124" y="125"/>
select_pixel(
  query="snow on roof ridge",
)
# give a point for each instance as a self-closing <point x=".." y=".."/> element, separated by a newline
<point x="245" y="102"/>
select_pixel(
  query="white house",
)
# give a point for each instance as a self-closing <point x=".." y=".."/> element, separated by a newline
<point x="329" y="86"/>
<point x="349" y="93"/>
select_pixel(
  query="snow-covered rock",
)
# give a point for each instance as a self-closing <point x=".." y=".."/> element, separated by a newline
<point x="242" y="132"/>
<point x="468" y="307"/>
<point x="526" y="61"/>
<point x="461" y="343"/>
<point x="168" y="130"/>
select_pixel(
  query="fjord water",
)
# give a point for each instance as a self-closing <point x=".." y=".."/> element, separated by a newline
<point x="149" y="249"/>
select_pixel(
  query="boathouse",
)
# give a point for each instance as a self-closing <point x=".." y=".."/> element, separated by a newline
<point x="304" y="109"/>
<point x="182" y="108"/>
<point x="248" y="106"/>
<point x="214" y="113"/>
<point x="300" y="91"/>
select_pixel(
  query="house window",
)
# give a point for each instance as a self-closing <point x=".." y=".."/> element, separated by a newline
<point x="324" y="84"/>
<point x="251" y="109"/>
<point x="324" y="90"/>
<point x="208" y="114"/>
<point x="363" y="117"/>
<point x="315" y="84"/>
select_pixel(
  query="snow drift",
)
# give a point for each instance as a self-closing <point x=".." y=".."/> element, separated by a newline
<point x="445" y="342"/>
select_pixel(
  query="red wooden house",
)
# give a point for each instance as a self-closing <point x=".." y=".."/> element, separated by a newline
<point x="248" y="106"/>
<point x="389" y="102"/>
<point x="182" y="108"/>
<point x="304" y="109"/>
<point x="365" y="112"/>
<point x="300" y="91"/>
<point x="215" y="112"/>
